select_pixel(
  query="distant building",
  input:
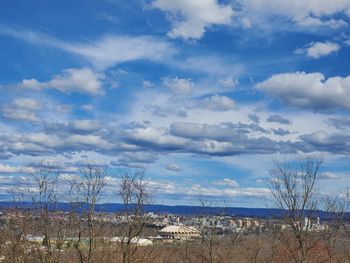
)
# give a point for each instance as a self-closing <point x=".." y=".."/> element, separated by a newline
<point x="179" y="232"/>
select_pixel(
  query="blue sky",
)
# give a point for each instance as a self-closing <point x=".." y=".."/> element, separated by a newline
<point x="202" y="94"/>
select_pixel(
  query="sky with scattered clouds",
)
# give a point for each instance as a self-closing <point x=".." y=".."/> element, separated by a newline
<point x="202" y="94"/>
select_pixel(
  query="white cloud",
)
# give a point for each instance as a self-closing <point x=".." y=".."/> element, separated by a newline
<point x="246" y="22"/>
<point x="71" y="80"/>
<point x="19" y="114"/>
<point x="330" y="175"/>
<point x="218" y="132"/>
<point x="27" y="104"/>
<point x="217" y="103"/>
<point x="114" y="50"/>
<point x="87" y="107"/>
<point x="317" y="22"/>
<point x="309" y="90"/>
<point x="22" y="109"/>
<point x="157" y="136"/>
<point x="7" y="169"/>
<point x="226" y="182"/>
<point x="238" y="192"/>
<point x="318" y="49"/>
<point x="326" y="142"/>
<point x="84" y="125"/>
<point x="228" y="82"/>
<point x="147" y="84"/>
<point x="300" y="8"/>
<point x="174" y="167"/>
<point x="278" y="119"/>
<point x="105" y="52"/>
<point x="178" y="85"/>
<point x="190" y="19"/>
<point x="45" y="143"/>
<point x="301" y="12"/>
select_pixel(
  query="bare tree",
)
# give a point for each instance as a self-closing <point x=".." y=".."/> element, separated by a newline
<point x="209" y="240"/>
<point x="86" y="191"/>
<point x="213" y="247"/>
<point x="335" y="208"/>
<point x="44" y="195"/>
<point x="293" y="188"/>
<point x="14" y="246"/>
<point x="134" y="194"/>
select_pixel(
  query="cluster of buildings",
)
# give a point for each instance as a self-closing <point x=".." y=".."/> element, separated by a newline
<point x="172" y="227"/>
<point x="308" y="225"/>
<point x="191" y="227"/>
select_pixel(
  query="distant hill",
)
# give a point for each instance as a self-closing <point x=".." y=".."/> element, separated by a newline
<point x="177" y="210"/>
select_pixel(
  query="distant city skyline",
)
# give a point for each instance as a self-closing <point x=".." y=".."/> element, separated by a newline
<point x="203" y="94"/>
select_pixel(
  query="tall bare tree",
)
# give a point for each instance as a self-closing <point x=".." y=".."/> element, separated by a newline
<point x="293" y="187"/>
<point x="134" y="194"/>
<point x="86" y="191"/>
<point x="44" y="195"/>
<point x="335" y="207"/>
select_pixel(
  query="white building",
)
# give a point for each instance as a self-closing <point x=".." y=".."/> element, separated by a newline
<point x="179" y="232"/>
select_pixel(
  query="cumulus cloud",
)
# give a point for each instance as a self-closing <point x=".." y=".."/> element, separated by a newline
<point x="82" y="80"/>
<point x="174" y="167"/>
<point x="87" y="107"/>
<point x="178" y="85"/>
<point x="326" y="142"/>
<point x="42" y="143"/>
<point x="226" y="182"/>
<point x="190" y="19"/>
<point x="318" y="49"/>
<point x="254" y="118"/>
<point x="156" y="138"/>
<point x="19" y="114"/>
<point x="301" y="12"/>
<point x="228" y="82"/>
<point x="139" y="145"/>
<point x="84" y="125"/>
<point x="340" y="123"/>
<point x="147" y="84"/>
<point x="223" y="139"/>
<point x="318" y="22"/>
<point x="221" y="132"/>
<point x="281" y="132"/>
<point x="329" y="176"/>
<point x="278" y="119"/>
<point x="7" y="169"/>
<point x="22" y="109"/>
<point x="27" y="104"/>
<point x="309" y="90"/>
<point x="217" y="103"/>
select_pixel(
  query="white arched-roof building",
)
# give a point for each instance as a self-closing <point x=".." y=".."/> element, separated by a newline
<point x="179" y="232"/>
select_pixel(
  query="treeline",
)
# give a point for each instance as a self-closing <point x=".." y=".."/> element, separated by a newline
<point x="82" y="234"/>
